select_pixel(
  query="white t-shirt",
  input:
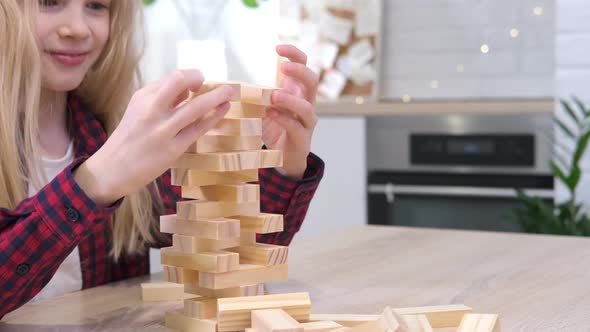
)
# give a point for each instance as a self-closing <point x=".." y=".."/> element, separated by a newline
<point x="68" y="277"/>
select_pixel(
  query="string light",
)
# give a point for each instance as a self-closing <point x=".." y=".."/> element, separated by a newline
<point x="485" y="49"/>
<point x="514" y="33"/>
<point x="538" y="11"/>
<point x="460" y="68"/>
<point x="360" y="100"/>
<point x="434" y="84"/>
<point x="406" y="99"/>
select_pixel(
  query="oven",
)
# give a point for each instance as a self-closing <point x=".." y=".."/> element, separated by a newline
<point x="456" y="171"/>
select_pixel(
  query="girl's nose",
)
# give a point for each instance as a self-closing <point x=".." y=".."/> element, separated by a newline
<point x="74" y="27"/>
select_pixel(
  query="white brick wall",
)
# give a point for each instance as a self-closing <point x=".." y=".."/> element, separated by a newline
<point x="573" y="67"/>
<point x="425" y="40"/>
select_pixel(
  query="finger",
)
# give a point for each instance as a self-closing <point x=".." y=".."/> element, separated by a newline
<point x="292" y="53"/>
<point x="182" y="97"/>
<point x="196" y="129"/>
<point x="305" y="76"/>
<point x="302" y="108"/>
<point x="177" y="83"/>
<point x="292" y="126"/>
<point x="197" y="107"/>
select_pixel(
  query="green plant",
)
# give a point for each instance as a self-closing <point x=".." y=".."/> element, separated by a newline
<point x="567" y="217"/>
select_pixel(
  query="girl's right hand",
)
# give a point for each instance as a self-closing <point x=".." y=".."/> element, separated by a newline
<point x="155" y="130"/>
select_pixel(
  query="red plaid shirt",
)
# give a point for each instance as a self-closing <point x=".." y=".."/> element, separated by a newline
<point x="42" y="230"/>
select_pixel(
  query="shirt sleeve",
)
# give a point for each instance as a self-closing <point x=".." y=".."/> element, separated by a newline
<point x="38" y="235"/>
<point x="291" y="198"/>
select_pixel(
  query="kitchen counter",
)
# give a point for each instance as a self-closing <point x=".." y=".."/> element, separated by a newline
<point x="535" y="283"/>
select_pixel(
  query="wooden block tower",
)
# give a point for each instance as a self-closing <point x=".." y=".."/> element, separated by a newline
<point x="214" y="252"/>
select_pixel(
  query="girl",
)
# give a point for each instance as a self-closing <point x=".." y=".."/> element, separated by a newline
<point x="83" y="156"/>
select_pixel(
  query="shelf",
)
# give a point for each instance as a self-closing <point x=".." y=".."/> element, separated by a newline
<point x="482" y="106"/>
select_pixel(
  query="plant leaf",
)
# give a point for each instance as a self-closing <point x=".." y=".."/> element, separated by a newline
<point x="251" y="3"/>
<point x="581" y="106"/>
<point x="557" y="171"/>
<point x="564" y="128"/>
<point x="581" y="146"/>
<point x="570" y="111"/>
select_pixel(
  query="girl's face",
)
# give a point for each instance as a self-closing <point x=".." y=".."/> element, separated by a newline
<point x="71" y="35"/>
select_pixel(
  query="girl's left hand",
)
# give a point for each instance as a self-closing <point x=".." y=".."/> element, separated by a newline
<point x="290" y="122"/>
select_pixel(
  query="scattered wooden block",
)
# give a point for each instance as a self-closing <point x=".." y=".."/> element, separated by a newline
<point x="180" y="275"/>
<point x="249" y="290"/>
<point x="210" y="85"/>
<point x="262" y="254"/>
<point x="224" y="192"/>
<point x="245" y="274"/>
<point x="193" y="177"/>
<point x="390" y="321"/>
<point x="262" y="223"/>
<point x="257" y="95"/>
<point x="320" y="326"/>
<point x="237" y="127"/>
<point x="200" y="307"/>
<point x="200" y="210"/>
<point x="439" y="316"/>
<point x="192" y="245"/>
<point x="230" y="161"/>
<point x="239" y="110"/>
<point x="479" y="323"/>
<point x="233" y="314"/>
<point x="345" y="320"/>
<point x="216" y="143"/>
<point x="214" y="261"/>
<point x="161" y="291"/>
<point x="274" y="320"/>
<point x="417" y="323"/>
<point x="214" y="229"/>
<point x="176" y="320"/>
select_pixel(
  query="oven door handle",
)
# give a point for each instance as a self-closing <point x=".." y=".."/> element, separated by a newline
<point x="390" y="190"/>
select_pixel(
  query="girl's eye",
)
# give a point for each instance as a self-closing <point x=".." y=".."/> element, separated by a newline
<point x="96" y="5"/>
<point x="48" y="3"/>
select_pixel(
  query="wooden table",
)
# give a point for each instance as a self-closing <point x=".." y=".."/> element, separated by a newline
<point x="535" y="283"/>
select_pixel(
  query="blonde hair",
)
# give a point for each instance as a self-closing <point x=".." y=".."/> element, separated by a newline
<point x="106" y="91"/>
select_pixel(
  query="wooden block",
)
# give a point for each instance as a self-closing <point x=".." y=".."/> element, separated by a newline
<point x="210" y="85"/>
<point x="200" y="307"/>
<point x="246" y="274"/>
<point x="216" y="143"/>
<point x="417" y="323"/>
<point x="224" y="192"/>
<point x="320" y="326"/>
<point x="389" y="320"/>
<point x="192" y="245"/>
<point x="215" y="229"/>
<point x="237" y="127"/>
<point x="180" y="275"/>
<point x="262" y="223"/>
<point x="262" y="254"/>
<point x="239" y="110"/>
<point x="247" y="238"/>
<point x="234" y="314"/>
<point x="479" y="323"/>
<point x="274" y="320"/>
<point x="344" y="319"/>
<point x="249" y="290"/>
<point x="271" y="158"/>
<point x="439" y="316"/>
<point x="257" y="95"/>
<point x="161" y="291"/>
<point x="200" y="210"/>
<point x="176" y="320"/>
<point x="220" y="161"/>
<point x="193" y="177"/>
<point x="214" y="261"/>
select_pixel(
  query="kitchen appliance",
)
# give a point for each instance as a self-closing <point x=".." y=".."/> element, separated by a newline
<point x="456" y="171"/>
